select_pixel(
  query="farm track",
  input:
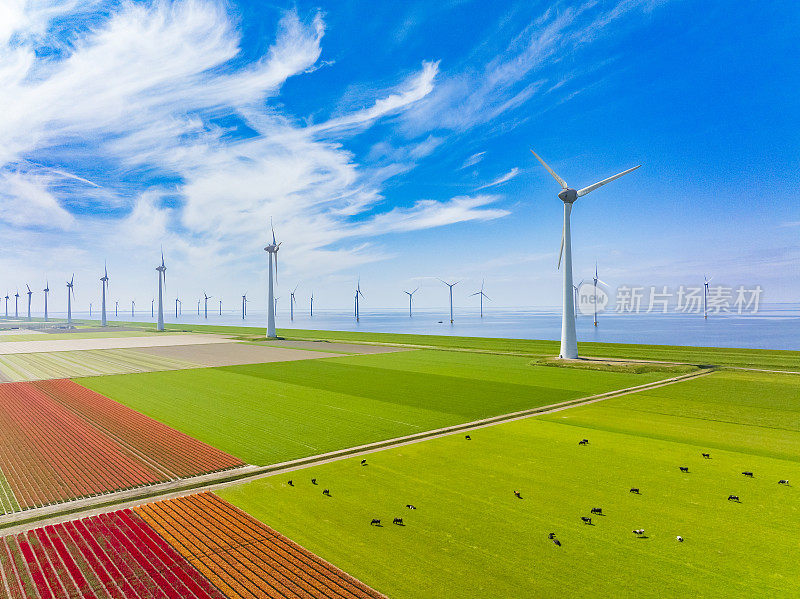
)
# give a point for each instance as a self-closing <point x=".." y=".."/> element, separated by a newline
<point x="22" y="521"/>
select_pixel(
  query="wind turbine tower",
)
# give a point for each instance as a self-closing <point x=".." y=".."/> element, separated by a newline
<point x="46" y="292"/>
<point x="162" y="283"/>
<point x="116" y="308"/>
<point x="312" y="303"/>
<point x="70" y="295"/>
<point x="30" y="293"/>
<point x="291" y="303"/>
<point x="16" y="304"/>
<point x="596" y="280"/>
<point x="410" y="295"/>
<point x="133" y="308"/>
<point x="451" y="285"/>
<point x="220" y="307"/>
<point x="206" y="297"/>
<point x="244" y="305"/>
<point x="6" y="304"/>
<point x="358" y="292"/>
<point x="568" y="195"/>
<point x="272" y="253"/>
<point x="483" y="295"/>
<point x="706" y="281"/>
<point x="177" y="301"/>
<point x="104" y="286"/>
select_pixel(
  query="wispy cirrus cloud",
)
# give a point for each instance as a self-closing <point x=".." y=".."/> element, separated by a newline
<point x="502" y="178"/>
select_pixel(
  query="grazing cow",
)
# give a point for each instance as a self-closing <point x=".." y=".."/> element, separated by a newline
<point x="783" y="481"/>
<point x="635" y="490"/>
<point x="313" y="481"/>
<point x="552" y="535"/>
<point x="684" y="468"/>
<point x="411" y="507"/>
<point x="398" y="521"/>
<point x="638" y="532"/>
<point x="707" y="456"/>
<point x="375" y="522"/>
<point x="326" y="492"/>
<point x="733" y="498"/>
<point x="679" y="539"/>
<point x="363" y="462"/>
<point x="290" y="483"/>
<point x="557" y="542"/>
<point x="583" y="442"/>
<point x="468" y="438"/>
<point x="749" y="474"/>
<point x="517" y="494"/>
<point x="597" y="510"/>
<point x="586" y="520"/>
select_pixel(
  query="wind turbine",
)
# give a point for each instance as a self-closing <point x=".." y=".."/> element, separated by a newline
<point x="46" y="291"/>
<point x="358" y="292"/>
<point x="30" y="293"/>
<point x="16" y="304"/>
<point x="568" y="195"/>
<point x="153" y="308"/>
<point x="272" y="252"/>
<point x="410" y="295"/>
<point x="244" y="305"/>
<point x="6" y="304"/>
<point x="177" y="302"/>
<point x="70" y="295"/>
<point x="162" y="284"/>
<point x="575" y="297"/>
<point x="483" y="295"/>
<point x="116" y="308"/>
<point x="706" y="281"/>
<point x="292" y="302"/>
<point x="198" y="306"/>
<point x="206" y="297"/>
<point x="220" y="307"/>
<point x="312" y="303"/>
<point x="451" y="285"/>
<point x="90" y="310"/>
<point x="596" y="280"/>
<point x="133" y="308"/>
<point x="276" y="304"/>
<point x="104" y="285"/>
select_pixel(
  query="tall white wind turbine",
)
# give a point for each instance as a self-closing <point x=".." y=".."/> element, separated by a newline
<point x="706" y="281"/>
<point x="568" y="195"/>
<point x="70" y="295"/>
<point x="358" y="292"/>
<point x="450" y="285"/>
<point x="46" y="292"/>
<point x="16" y="304"/>
<point x="177" y="303"/>
<point x="30" y="293"/>
<point x="272" y="254"/>
<point x="596" y="280"/>
<point x="292" y="301"/>
<point x="410" y="295"/>
<point x="104" y="285"/>
<point x="483" y="295"/>
<point x="162" y="283"/>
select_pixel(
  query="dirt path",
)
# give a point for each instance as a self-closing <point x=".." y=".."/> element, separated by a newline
<point x="54" y="514"/>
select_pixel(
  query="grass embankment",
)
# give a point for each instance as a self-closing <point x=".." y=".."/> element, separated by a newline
<point x="470" y="537"/>
<point x="268" y="413"/>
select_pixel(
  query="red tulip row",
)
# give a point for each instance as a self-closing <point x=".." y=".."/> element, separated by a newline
<point x="111" y="556"/>
<point x="243" y="557"/>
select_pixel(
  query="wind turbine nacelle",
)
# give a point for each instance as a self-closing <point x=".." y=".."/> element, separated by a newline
<point x="568" y="195"/>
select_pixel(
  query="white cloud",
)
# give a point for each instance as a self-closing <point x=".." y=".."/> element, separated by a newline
<point x="502" y="178"/>
<point x="473" y="160"/>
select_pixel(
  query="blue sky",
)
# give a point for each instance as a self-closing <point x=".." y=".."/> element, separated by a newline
<point x="390" y="141"/>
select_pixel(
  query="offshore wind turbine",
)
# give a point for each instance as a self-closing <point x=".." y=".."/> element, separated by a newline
<point x="358" y="292"/>
<point x="220" y="307"/>
<point x="198" y="306"/>
<point x="244" y="305"/>
<point x="70" y="295"/>
<point x="206" y="297"/>
<point x="46" y="291"/>
<point x="596" y="280"/>
<point x="104" y="286"/>
<point x="6" y="304"/>
<point x="312" y="303"/>
<point x="116" y="308"/>
<point x="410" y="295"/>
<point x="90" y="309"/>
<point x="568" y="195"/>
<point x="706" y="281"/>
<point x="16" y="304"/>
<point x="133" y="308"/>
<point x="483" y="295"/>
<point x="30" y="293"/>
<point x="162" y="283"/>
<point x="292" y="301"/>
<point x="272" y="253"/>
<point x="451" y="285"/>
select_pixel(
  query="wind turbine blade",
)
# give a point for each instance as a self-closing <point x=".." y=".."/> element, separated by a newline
<point x="561" y="249"/>
<point x="487" y="297"/>
<point x="417" y="289"/>
<point x="585" y="190"/>
<point x="273" y="230"/>
<point x="476" y="293"/>
<point x="561" y="181"/>
<point x="603" y="283"/>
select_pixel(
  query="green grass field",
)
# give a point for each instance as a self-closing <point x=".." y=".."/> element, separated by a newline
<point x="470" y="537"/>
<point x="76" y="335"/>
<point x="268" y="413"/>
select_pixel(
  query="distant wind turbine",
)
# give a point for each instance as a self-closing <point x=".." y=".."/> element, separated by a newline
<point x="198" y="306"/>
<point x="272" y="253"/>
<point x="292" y="301"/>
<point x="6" y="304"/>
<point x="16" y="304"/>
<point x="451" y="285"/>
<point x="116" y="308"/>
<point x="410" y="295"/>
<point x="358" y="292"/>
<point x="177" y="303"/>
<point x="568" y="195"/>
<point x="30" y="293"/>
<point x="90" y="310"/>
<point x="483" y="295"/>
<point x="275" y="302"/>
<point x="70" y="295"/>
<point x="153" y="308"/>
<point x="206" y="297"/>
<point x="706" y="281"/>
<point x="162" y="284"/>
<point x="46" y="292"/>
<point x="312" y="303"/>
<point x="220" y="307"/>
<point x="596" y="280"/>
<point x="104" y="286"/>
<point x="244" y="305"/>
<point x="133" y="308"/>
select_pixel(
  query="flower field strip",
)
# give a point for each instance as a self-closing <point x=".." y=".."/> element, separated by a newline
<point x="8" y="503"/>
<point x="112" y="556"/>
<point x="244" y="557"/>
<point x="49" y="454"/>
<point x="175" y="453"/>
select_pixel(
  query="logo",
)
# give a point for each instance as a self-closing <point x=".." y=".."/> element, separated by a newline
<point x="591" y="298"/>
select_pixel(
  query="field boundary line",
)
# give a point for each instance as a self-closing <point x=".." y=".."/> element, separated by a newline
<point x="63" y="512"/>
